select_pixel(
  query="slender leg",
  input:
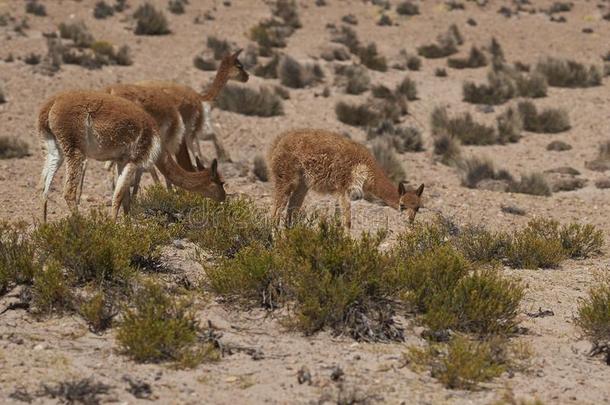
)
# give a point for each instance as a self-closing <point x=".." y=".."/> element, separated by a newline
<point x="280" y="201"/>
<point x="296" y="201"/>
<point x="74" y="160"/>
<point x="82" y="180"/>
<point x="154" y="175"/>
<point x="110" y="167"/>
<point x="346" y="207"/>
<point x="136" y="183"/>
<point x="53" y="162"/>
<point x="183" y="158"/>
<point x="122" y="188"/>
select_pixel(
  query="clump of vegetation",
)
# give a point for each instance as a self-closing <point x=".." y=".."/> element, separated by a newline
<point x="150" y="21"/>
<point x="462" y="127"/>
<point x="407" y="8"/>
<point x="407" y="88"/>
<point x="260" y="168"/>
<point x="161" y="328"/>
<point x="51" y="290"/>
<point x="503" y="84"/>
<point x="447" y="45"/>
<point x="475" y="169"/>
<point x="268" y="70"/>
<point x="447" y="148"/>
<point x="354" y="78"/>
<point x="440" y="72"/>
<point x="102" y="10"/>
<point x="475" y="59"/>
<point x="220" y="47"/>
<point x="338" y="52"/>
<point x="292" y="74"/>
<point x="177" y="6"/>
<point x="35" y="8"/>
<point x="11" y="148"/>
<point x="509" y="125"/>
<point x="2" y="96"/>
<point x="403" y="139"/>
<point x="348" y="37"/>
<point x="593" y="317"/>
<point x="464" y="363"/>
<point x="78" y="33"/>
<point x="270" y="34"/>
<point x="602" y="161"/>
<point x="558" y="146"/>
<point x="408" y="61"/>
<point x="538" y="245"/>
<point x="533" y="184"/>
<point x="568" y="73"/>
<point x="384" y="153"/>
<point x="17" y="253"/>
<point x="358" y="115"/>
<point x="95" y="249"/>
<point x="288" y="12"/>
<point x="550" y="120"/>
<point x="370" y="57"/>
<point x="247" y="101"/>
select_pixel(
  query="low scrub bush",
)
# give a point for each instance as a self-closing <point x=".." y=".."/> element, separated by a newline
<point x="370" y="57"/>
<point x="509" y="125"/>
<point x="150" y="21"/>
<point x="593" y="316"/>
<point x="17" y="257"/>
<point x="95" y="249"/>
<point x="407" y="8"/>
<point x="558" y="146"/>
<point x="35" y="8"/>
<point x="568" y="73"/>
<point x="268" y="70"/>
<point x="384" y="153"/>
<point x="533" y="184"/>
<point x="408" y="61"/>
<point x="354" y="78"/>
<point x="51" y="290"/>
<point x="288" y="12"/>
<point x="550" y="120"/>
<point x="11" y="147"/>
<point x="447" y="148"/>
<point x="358" y="115"/>
<point x="247" y="101"/>
<point x="462" y="127"/>
<point x="474" y="170"/>
<point x="295" y="75"/>
<point x="78" y="33"/>
<point x="158" y="328"/>
<point x="475" y="59"/>
<point x="503" y="85"/>
<point x="102" y="10"/>
<point x="177" y="6"/>
<point x="480" y="245"/>
<point x="219" y="47"/>
<point x="447" y="45"/>
<point x="403" y="139"/>
<point x="536" y="246"/>
<point x="260" y="169"/>
<point x="407" y="88"/>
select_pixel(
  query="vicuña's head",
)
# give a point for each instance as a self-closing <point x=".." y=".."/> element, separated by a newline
<point x="214" y="188"/>
<point x="233" y="67"/>
<point x="410" y="200"/>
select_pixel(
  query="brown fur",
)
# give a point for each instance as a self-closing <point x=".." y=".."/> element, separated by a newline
<point x="87" y="124"/>
<point x="189" y="104"/>
<point x="329" y="163"/>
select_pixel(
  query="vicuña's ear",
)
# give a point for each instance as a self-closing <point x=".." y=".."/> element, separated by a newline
<point x="420" y="190"/>
<point x="402" y="189"/>
<point x="236" y="54"/>
<point x="200" y="166"/>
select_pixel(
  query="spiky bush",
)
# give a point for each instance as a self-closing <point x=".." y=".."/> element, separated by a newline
<point x="475" y="169"/>
<point x="446" y="45"/>
<point x="102" y="10"/>
<point x="358" y="115"/>
<point x="370" y="57"/>
<point x="404" y="139"/>
<point x="247" y="101"/>
<point x="568" y="73"/>
<point x="150" y="21"/>
<point x="447" y="147"/>
<point x="11" y="147"/>
<point x="593" y="316"/>
<point x="354" y="78"/>
<point x="295" y="75"/>
<point x="176" y="6"/>
<point x="462" y="127"/>
<point x="476" y="58"/>
<point x="17" y="257"/>
<point x="550" y="120"/>
<point x="385" y="155"/>
<point x="532" y="183"/>
<point x="408" y="88"/>
<point x="504" y="84"/>
<point x="78" y="33"/>
<point x="509" y="125"/>
<point x="538" y="245"/>
<point x="158" y="327"/>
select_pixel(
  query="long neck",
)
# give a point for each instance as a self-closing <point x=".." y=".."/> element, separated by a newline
<point x="218" y="84"/>
<point x="384" y="189"/>
<point x="177" y="175"/>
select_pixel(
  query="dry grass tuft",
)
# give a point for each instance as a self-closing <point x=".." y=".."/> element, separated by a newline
<point x="247" y="101"/>
<point x="150" y="21"/>
<point x="550" y="120"/>
<point x="568" y="73"/>
<point x="11" y="148"/>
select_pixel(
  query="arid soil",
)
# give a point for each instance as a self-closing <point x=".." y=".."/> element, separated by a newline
<point x="36" y="351"/>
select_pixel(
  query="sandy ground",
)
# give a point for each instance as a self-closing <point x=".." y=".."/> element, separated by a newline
<point x="34" y="351"/>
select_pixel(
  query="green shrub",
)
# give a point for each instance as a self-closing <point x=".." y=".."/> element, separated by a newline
<point x="52" y="290"/>
<point x="407" y="8"/>
<point x="247" y="101"/>
<point x="462" y="364"/>
<point x="150" y="21"/>
<point x="532" y="183"/>
<point x="78" y="33"/>
<point x="102" y="10"/>
<point x="95" y="249"/>
<point x="581" y="241"/>
<point x="480" y="245"/>
<point x="550" y="120"/>
<point x="462" y="127"/>
<point x="384" y="154"/>
<point x="475" y="59"/>
<point x="17" y="257"/>
<point x="509" y="125"/>
<point x="292" y="74"/>
<point x="358" y="115"/>
<point x="98" y="311"/>
<point x="594" y="314"/>
<point x="568" y="73"/>
<point x="538" y="245"/>
<point x="403" y="139"/>
<point x="11" y="147"/>
<point x="160" y="328"/>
